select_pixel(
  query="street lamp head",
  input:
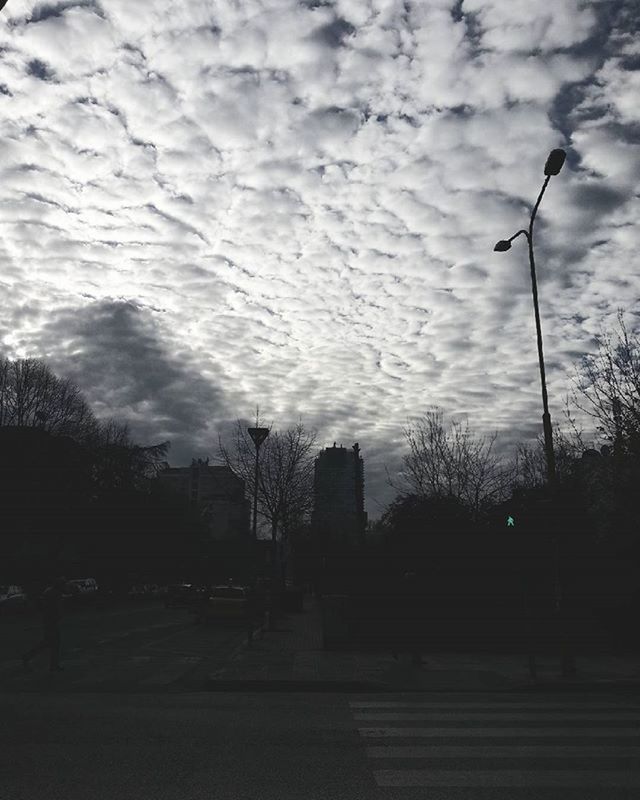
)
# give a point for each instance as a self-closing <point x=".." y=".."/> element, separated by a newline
<point x="554" y="162"/>
<point x="258" y="435"/>
<point x="502" y="246"/>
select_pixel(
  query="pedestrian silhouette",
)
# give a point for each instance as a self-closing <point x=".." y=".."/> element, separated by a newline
<point x="510" y="522"/>
<point x="51" y="607"/>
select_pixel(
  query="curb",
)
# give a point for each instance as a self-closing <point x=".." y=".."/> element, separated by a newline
<point x="279" y="685"/>
<point x="289" y="685"/>
<point x="601" y="684"/>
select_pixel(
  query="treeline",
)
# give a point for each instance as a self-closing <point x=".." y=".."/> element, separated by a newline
<point x="481" y="532"/>
<point x="78" y="493"/>
<point x="74" y="487"/>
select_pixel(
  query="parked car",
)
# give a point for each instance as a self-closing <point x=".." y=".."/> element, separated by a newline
<point x="12" y="598"/>
<point x="82" y="591"/>
<point x="83" y="588"/>
<point x="180" y="595"/>
<point x="229" y="602"/>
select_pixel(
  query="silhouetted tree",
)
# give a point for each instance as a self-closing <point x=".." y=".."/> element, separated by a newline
<point x="607" y="387"/>
<point x="119" y="463"/>
<point x="285" y="487"/>
<point x="417" y="516"/>
<point x="32" y="396"/>
<point x="530" y="465"/>
<point x="450" y="461"/>
<point x="64" y="472"/>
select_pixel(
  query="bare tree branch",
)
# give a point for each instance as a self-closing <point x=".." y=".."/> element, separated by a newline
<point x="607" y="386"/>
<point x="285" y="486"/>
<point x="450" y="461"/>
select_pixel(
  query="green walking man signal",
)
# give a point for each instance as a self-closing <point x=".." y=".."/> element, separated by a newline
<point x="510" y="522"/>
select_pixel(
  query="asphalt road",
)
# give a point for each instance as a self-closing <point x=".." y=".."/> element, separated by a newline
<point x="296" y="746"/>
<point x="136" y="647"/>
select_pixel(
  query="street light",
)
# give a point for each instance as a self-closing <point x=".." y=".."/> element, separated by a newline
<point x="258" y="435"/>
<point x="552" y="167"/>
<point x="555" y="162"/>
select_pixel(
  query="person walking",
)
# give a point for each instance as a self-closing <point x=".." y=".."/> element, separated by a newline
<point x="51" y="607"/>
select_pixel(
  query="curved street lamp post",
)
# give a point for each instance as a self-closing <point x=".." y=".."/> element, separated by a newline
<point x="553" y="166"/>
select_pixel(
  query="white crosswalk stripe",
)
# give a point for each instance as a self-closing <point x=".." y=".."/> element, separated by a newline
<point x="504" y="778"/>
<point x="496" y="744"/>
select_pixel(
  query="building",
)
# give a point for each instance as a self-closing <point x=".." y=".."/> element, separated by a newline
<point x="338" y="508"/>
<point x="216" y="492"/>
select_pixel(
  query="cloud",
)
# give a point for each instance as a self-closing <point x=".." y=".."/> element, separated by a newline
<point x="208" y="206"/>
<point x="118" y="353"/>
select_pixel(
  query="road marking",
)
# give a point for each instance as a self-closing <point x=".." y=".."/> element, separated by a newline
<point x="504" y="751"/>
<point x="531" y="705"/>
<point x="498" y="716"/>
<point x="379" y="733"/>
<point x="505" y="725"/>
<point x="501" y="778"/>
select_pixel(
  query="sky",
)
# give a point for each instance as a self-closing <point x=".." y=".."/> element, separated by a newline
<point x="208" y="206"/>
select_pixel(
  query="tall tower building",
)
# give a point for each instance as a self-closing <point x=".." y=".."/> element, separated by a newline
<point x="338" y="509"/>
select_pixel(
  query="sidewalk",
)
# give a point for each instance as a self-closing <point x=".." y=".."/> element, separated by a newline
<point x="292" y="657"/>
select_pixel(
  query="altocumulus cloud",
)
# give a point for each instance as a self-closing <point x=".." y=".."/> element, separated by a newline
<point x="206" y="205"/>
<point x="132" y="370"/>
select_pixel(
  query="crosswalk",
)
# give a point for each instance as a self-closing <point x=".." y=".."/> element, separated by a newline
<point x="504" y="742"/>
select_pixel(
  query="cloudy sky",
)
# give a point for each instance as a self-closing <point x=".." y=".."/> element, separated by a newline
<point x="206" y="206"/>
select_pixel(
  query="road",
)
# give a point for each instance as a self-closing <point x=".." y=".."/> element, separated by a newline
<point x="135" y="647"/>
<point x="297" y="746"/>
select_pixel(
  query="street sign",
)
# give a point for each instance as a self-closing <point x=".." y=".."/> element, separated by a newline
<point x="258" y="435"/>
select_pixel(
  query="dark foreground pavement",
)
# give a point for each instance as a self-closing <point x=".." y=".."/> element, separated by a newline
<point x="297" y="746"/>
<point x="292" y="658"/>
<point x="146" y="650"/>
<point x="281" y="719"/>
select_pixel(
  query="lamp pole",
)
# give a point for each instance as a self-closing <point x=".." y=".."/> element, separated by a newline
<point x="553" y="166"/>
<point x="258" y="435"/>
